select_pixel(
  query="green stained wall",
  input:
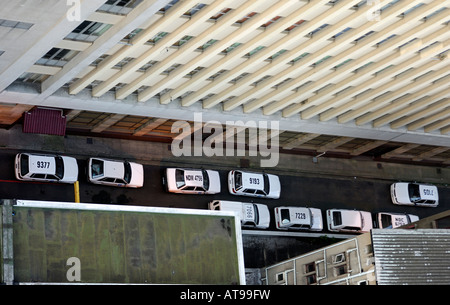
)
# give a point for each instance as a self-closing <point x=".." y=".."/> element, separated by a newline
<point x="124" y="247"/>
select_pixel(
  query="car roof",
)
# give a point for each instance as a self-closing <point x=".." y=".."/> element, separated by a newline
<point x="113" y="169"/>
<point x="296" y="220"/>
<point x="350" y="218"/>
<point x="35" y="169"/>
<point x="254" y="181"/>
<point x="193" y="177"/>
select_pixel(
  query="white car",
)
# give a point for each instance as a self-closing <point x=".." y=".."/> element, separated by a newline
<point x="352" y="221"/>
<point x="192" y="181"/>
<point x="253" y="215"/>
<point x="298" y="218"/>
<point x="254" y="184"/>
<point x="115" y="173"/>
<point x="46" y="168"/>
<point x="404" y="193"/>
<point x="386" y="220"/>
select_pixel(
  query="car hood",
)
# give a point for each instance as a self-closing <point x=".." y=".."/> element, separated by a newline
<point x="137" y="175"/>
<point x="366" y="221"/>
<point x="401" y="192"/>
<point x="264" y="216"/>
<point x="214" y="181"/>
<point x="70" y="169"/>
<point x="275" y="186"/>
<point x="317" y="222"/>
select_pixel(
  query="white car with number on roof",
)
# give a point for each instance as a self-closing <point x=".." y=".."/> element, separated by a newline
<point x="387" y="220"/>
<point x="115" y="173"/>
<point x="352" y="221"/>
<point x="423" y="195"/>
<point x="192" y="181"/>
<point x="254" y="184"/>
<point x="298" y="218"/>
<point x="253" y="215"/>
<point x="46" y="168"/>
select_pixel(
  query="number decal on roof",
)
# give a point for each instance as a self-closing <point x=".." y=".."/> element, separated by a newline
<point x="43" y="164"/>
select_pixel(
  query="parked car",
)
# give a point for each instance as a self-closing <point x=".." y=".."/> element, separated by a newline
<point x="115" y="173"/>
<point x="386" y="220"/>
<point x="253" y="215"/>
<point x="298" y="218"/>
<point x="352" y="221"/>
<point x="423" y="195"/>
<point x="191" y="181"/>
<point x="254" y="184"/>
<point x="46" y="168"/>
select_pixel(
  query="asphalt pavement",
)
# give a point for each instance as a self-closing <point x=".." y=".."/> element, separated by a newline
<point x="330" y="183"/>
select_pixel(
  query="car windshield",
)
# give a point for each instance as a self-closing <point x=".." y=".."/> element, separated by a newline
<point x="266" y="184"/>
<point x="413" y="190"/>
<point x="205" y="180"/>
<point x="237" y="180"/>
<point x="386" y="221"/>
<point x="179" y="178"/>
<point x="337" y="218"/>
<point x="256" y="214"/>
<point x="127" y="175"/>
<point x="285" y="217"/>
<point x="24" y="162"/>
<point x="97" y="168"/>
<point x="59" y="167"/>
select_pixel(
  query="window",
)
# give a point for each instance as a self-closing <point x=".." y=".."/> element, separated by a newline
<point x="24" y="169"/>
<point x="279" y="277"/>
<point x="311" y="279"/>
<point x="179" y="178"/>
<point x="256" y="213"/>
<point x="38" y="176"/>
<point x="339" y="258"/>
<point x="127" y="176"/>
<point x="205" y="180"/>
<point x="337" y="218"/>
<point x="238" y="180"/>
<point x="56" y="57"/>
<point x="97" y="168"/>
<point x="15" y="24"/>
<point x="285" y="217"/>
<point x="311" y="267"/>
<point x="59" y="168"/>
<point x="340" y="270"/>
<point x="108" y="180"/>
<point x="119" y="7"/>
<point x="266" y="184"/>
<point x="386" y="221"/>
<point x="413" y="190"/>
<point x="88" y="31"/>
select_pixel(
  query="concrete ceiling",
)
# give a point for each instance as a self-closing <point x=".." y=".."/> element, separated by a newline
<point x="375" y="70"/>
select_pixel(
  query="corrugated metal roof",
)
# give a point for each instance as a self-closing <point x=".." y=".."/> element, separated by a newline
<point x="412" y="256"/>
<point x="45" y="121"/>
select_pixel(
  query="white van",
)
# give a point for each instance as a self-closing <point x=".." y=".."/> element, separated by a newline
<point x="352" y="221"/>
<point x="254" y="184"/>
<point x="404" y="193"/>
<point x="253" y="215"/>
<point x="386" y="220"/>
<point x="298" y="218"/>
